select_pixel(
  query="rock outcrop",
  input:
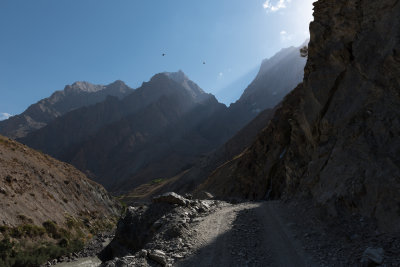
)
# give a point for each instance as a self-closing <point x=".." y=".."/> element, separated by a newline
<point x="158" y="232"/>
<point x="335" y="138"/>
<point x="171" y="198"/>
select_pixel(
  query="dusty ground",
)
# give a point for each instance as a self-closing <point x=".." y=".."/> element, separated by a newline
<point x="245" y="234"/>
<point x="339" y="241"/>
<point x="248" y="234"/>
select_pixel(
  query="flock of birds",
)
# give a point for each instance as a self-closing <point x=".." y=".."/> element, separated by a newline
<point x="163" y="54"/>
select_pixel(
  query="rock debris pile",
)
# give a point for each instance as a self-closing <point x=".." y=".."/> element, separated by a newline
<point x="157" y="234"/>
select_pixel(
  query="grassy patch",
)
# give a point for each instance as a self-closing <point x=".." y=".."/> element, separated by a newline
<point x="157" y="181"/>
<point x="12" y="254"/>
<point x="32" y="245"/>
<point x="26" y="230"/>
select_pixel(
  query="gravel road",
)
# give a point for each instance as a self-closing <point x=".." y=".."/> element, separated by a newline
<point x="248" y="234"/>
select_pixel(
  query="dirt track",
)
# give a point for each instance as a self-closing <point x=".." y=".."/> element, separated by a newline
<point x="249" y="234"/>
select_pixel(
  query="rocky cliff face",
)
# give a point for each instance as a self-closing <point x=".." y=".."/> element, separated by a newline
<point x="79" y="94"/>
<point x="335" y="138"/>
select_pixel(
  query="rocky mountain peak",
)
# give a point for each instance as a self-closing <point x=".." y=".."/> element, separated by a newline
<point x="118" y="84"/>
<point x="277" y="76"/>
<point x="82" y="86"/>
<point x="181" y="78"/>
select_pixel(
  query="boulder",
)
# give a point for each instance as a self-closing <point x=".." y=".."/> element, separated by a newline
<point x="159" y="257"/>
<point x="372" y="257"/>
<point x="171" y="198"/>
<point x="3" y="191"/>
<point x="204" y="195"/>
<point x="142" y="253"/>
<point x="134" y="230"/>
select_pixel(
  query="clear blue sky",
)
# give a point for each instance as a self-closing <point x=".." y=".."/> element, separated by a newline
<point x="46" y="44"/>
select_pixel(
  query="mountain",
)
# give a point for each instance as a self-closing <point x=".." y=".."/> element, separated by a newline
<point x="159" y="130"/>
<point x="48" y="208"/>
<point x="277" y="76"/>
<point x="74" y="96"/>
<point x="335" y="138"/>
<point x="152" y="133"/>
<point x="190" y="179"/>
<point x="192" y="88"/>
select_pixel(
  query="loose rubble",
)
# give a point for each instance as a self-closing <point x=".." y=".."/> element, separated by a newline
<point x="157" y="234"/>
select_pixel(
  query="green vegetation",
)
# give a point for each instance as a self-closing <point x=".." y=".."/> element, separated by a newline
<point x="26" y="230"/>
<point x="101" y="226"/>
<point x="157" y="181"/>
<point x="52" y="229"/>
<point x="32" y="245"/>
<point x="12" y="254"/>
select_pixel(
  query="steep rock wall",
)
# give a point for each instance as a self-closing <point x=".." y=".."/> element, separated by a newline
<point x="336" y="137"/>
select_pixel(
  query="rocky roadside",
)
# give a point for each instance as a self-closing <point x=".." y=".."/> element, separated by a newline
<point x="178" y="231"/>
<point x="158" y="234"/>
<point x="340" y="241"/>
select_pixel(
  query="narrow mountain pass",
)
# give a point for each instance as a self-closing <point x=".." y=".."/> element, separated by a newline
<point x="247" y="234"/>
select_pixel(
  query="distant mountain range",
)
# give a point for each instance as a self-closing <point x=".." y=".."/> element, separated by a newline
<point x="77" y="95"/>
<point x="130" y="137"/>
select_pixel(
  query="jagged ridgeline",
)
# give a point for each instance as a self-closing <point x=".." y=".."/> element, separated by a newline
<point x="48" y="208"/>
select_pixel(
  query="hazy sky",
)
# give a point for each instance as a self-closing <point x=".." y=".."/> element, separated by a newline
<point x="46" y="44"/>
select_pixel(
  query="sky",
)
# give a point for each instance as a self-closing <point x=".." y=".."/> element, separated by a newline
<point x="47" y="44"/>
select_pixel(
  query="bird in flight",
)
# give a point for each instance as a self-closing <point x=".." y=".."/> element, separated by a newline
<point x="204" y="62"/>
<point x="163" y="54"/>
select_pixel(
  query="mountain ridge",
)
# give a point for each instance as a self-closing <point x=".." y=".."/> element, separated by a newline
<point x="111" y="139"/>
<point x="74" y="96"/>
